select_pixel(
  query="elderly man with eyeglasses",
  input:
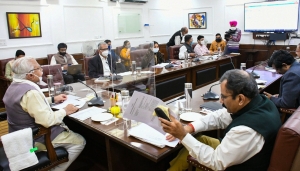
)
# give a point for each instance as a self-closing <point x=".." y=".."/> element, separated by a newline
<point x="27" y="106"/>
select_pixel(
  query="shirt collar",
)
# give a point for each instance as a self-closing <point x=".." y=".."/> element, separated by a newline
<point x="102" y="58"/>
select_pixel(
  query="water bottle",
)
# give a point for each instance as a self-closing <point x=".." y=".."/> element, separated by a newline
<point x="188" y="96"/>
<point x="133" y="67"/>
<point x="288" y="49"/>
<point x="50" y="85"/>
<point x="125" y="102"/>
<point x="219" y="51"/>
<point x="186" y="57"/>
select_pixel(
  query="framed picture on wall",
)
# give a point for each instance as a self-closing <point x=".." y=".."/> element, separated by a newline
<point x="197" y="20"/>
<point x="23" y="25"/>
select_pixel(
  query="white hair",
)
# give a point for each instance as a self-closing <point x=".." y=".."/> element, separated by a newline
<point x="22" y="66"/>
<point x="101" y="43"/>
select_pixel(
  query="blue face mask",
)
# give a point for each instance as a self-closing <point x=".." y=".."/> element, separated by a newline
<point x="109" y="47"/>
<point x="191" y="43"/>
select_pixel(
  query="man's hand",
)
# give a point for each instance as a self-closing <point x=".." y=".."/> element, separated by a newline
<point x="174" y="128"/>
<point x="192" y="54"/>
<point x="60" y="98"/>
<point x="268" y="95"/>
<point x="65" y="67"/>
<point x="71" y="109"/>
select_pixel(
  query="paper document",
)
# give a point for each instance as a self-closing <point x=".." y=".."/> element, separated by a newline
<point x="148" y="134"/>
<point x="125" y="73"/>
<point x="160" y="65"/>
<point x="70" y="100"/>
<point x="260" y="81"/>
<point x="141" y="108"/>
<point x="87" y="113"/>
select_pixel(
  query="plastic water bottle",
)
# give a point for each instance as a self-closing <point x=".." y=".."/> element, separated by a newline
<point x="133" y="67"/>
<point x="188" y="96"/>
<point x="219" y="51"/>
<point x="125" y="102"/>
<point x="186" y="56"/>
<point x="50" y="85"/>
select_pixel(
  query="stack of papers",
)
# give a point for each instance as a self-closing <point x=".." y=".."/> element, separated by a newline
<point x="125" y="73"/>
<point x="148" y="134"/>
<point x="70" y="100"/>
<point x="87" y="113"/>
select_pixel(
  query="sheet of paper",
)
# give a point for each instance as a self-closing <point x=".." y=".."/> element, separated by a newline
<point x="141" y="108"/>
<point x="70" y="100"/>
<point x="160" y="65"/>
<point x="125" y="73"/>
<point x="87" y="113"/>
<point x="150" y="135"/>
<point x="260" y="81"/>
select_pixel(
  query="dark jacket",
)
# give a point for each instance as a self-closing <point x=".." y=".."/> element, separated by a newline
<point x="159" y="57"/>
<point x="289" y="92"/>
<point x="96" y="67"/>
<point x="148" y="60"/>
<point x="261" y="115"/>
<point x="172" y="39"/>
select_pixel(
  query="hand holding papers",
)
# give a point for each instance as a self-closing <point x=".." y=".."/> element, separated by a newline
<point x="141" y="108"/>
<point x="70" y="100"/>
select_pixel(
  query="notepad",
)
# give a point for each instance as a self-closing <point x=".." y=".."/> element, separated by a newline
<point x="149" y="135"/>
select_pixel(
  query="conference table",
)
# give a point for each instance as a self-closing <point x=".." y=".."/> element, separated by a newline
<point x="169" y="83"/>
<point x="112" y="148"/>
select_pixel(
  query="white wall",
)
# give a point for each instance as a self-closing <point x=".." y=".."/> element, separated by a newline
<point x="76" y="21"/>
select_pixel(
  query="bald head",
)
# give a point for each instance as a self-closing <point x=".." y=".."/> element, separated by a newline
<point x="184" y="30"/>
<point x="240" y="82"/>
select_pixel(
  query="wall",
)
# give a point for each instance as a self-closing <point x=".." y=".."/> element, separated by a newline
<point x="77" y="21"/>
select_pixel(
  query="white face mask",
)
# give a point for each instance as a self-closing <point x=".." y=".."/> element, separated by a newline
<point x="202" y="42"/>
<point x="41" y="82"/>
<point x="105" y="53"/>
<point x="155" y="50"/>
<point x="232" y="28"/>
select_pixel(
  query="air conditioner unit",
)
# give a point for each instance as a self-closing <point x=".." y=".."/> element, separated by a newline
<point x="131" y="1"/>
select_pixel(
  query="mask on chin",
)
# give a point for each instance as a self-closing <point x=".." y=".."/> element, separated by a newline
<point x="41" y="82"/>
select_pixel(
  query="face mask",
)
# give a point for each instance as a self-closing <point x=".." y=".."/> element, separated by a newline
<point x="41" y="82"/>
<point x="191" y="43"/>
<point x="155" y="50"/>
<point x="62" y="53"/>
<point x="202" y="42"/>
<point x="232" y="28"/>
<point x="109" y="47"/>
<point x="128" y="46"/>
<point x="105" y="53"/>
<point x="218" y="39"/>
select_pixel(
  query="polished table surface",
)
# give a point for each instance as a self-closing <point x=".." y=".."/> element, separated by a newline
<point x="117" y="144"/>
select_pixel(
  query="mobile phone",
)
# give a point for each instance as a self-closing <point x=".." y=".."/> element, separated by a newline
<point x="160" y="113"/>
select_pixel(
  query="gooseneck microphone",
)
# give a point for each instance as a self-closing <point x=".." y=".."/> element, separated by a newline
<point x="211" y="95"/>
<point x="255" y="75"/>
<point x="96" y="101"/>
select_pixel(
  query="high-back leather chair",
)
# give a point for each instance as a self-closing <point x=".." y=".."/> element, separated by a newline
<point x="3" y="63"/>
<point x="118" y="50"/>
<point x="46" y="159"/>
<point x="144" y="46"/>
<point x="4" y="82"/>
<point x="54" y="70"/>
<point x="286" y="151"/>
<point x="137" y="56"/>
<point x="49" y="57"/>
<point x="86" y="66"/>
<point x="174" y="51"/>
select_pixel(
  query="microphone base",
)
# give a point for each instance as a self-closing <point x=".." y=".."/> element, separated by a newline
<point x="210" y="96"/>
<point x="96" y="102"/>
<point x="255" y="75"/>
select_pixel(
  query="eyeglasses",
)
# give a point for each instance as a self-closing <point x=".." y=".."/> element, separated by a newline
<point x="39" y="68"/>
<point x="224" y="97"/>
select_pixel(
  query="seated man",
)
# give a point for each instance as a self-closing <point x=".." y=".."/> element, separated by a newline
<point x="201" y="49"/>
<point x="289" y="92"/>
<point x="251" y="123"/>
<point x="65" y="59"/>
<point x="27" y="106"/>
<point x="187" y="47"/>
<point x="218" y="43"/>
<point x="100" y="65"/>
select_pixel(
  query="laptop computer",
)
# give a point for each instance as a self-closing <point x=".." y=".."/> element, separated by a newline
<point x="74" y="69"/>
